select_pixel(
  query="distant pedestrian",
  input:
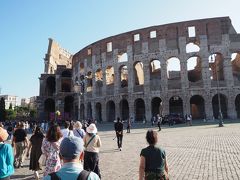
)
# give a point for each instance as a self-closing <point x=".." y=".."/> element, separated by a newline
<point x="92" y="143"/>
<point x="159" y="121"/>
<point x="35" y="147"/>
<point x="118" y="126"/>
<point x="153" y="161"/>
<point x="128" y="125"/>
<point x="6" y="156"/>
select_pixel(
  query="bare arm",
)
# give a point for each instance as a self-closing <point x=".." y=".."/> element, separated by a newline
<point x="141" y="167"/>
<point x="166" y="165"/>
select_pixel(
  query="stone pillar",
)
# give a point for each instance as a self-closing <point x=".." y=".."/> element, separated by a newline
<point x="104" y="75"/>
<point x="117" y="74"/>
<point x="131" y="107"/>
<point x="164" y="79"/>
<point x="165" y="102"/>
<point x="130" y="68"/>
<point x="231" y="109"/>
<point x="148" y="113"/>
<point x="93" y="109"/>
<point x="208" y="106"/>
<point x="228" y="74"/>
<point x="206" y="73"/>
<point x="183" y="72"/>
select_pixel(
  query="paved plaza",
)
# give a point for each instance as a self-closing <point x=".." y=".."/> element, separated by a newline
<point x="193" y="152"/>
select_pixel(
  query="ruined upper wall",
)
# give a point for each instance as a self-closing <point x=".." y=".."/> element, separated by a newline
<point x="55" y="56"/>
<point x="212" y="28"/>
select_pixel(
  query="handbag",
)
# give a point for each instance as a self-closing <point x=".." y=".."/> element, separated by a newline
<point x="42" y="160"/>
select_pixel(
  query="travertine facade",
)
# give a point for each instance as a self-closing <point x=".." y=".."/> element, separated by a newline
<point x="129" y="74"/>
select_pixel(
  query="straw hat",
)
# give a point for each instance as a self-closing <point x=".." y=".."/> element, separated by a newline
<point x="92" y="128"/>
<point x="3" y="134"/>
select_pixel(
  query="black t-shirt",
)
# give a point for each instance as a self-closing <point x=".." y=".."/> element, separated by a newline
<point x="154" y="159"/>
<point x="118" y="126"/>
<point x="20" y="135"/>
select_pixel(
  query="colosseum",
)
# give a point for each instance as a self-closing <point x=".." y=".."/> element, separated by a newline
<point x="190" y="67"/>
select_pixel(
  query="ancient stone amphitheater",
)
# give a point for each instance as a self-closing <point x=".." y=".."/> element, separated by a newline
<point x="190" y="67"/>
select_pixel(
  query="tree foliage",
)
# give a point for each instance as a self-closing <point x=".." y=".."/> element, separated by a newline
<point x="2" y="110"/>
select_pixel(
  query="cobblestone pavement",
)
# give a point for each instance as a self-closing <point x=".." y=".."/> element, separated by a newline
<point x="193" y="152"/>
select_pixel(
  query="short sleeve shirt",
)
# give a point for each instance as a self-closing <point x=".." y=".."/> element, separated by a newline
<point x="154" y="159"/>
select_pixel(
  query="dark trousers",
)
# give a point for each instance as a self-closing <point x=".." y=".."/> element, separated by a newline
<point x="159" y="126"/>
<point x="119" y="140"/>
<point x="91" y="160"/>
<point x="128" y="129"/>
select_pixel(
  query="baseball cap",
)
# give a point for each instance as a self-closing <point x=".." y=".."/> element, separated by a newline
<point x="71" y="147"/>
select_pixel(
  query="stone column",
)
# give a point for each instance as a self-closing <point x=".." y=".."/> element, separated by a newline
<point x="228" y="74"/>
<point x="231" y="109"/>
<point x="208" y="106"/>
<point x="130" y="68"/>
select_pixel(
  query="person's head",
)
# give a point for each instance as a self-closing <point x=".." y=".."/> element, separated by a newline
<point x="118" y="119"/>
<point x="3" y="134"/>
<point x="66" y="124"/>
<point x="92" y="129"/>
<point x="152" y="137"/>
<point x="71" y="125"/>
<point x="78" y="125"/>
<point x="71" y="149"/>
<point x="54" y="133"/>
<point x="20" y="124"/>
<point x="38" y="131"/>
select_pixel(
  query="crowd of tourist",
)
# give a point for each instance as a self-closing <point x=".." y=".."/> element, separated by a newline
<point x="71" y="152"/>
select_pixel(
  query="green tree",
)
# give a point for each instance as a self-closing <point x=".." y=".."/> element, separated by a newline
<point x="11" y="114"/>
<point x="2" y="110"/>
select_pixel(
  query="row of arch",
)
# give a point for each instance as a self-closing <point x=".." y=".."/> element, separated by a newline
<point x="194" y="71"/>
<point x="197" y="108"/>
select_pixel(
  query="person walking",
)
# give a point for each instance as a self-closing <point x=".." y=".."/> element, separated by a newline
<point x="153" y="161"/>
<point x="159" y="121"/>
<point x="71" y="151"/>
<point x="35" y="147"/>
<point x="92" y="143"/>
<point x="118" y="126"/>
<point x="78" y="131"/>
<point x="128" y="125"/>
<point x="50" y="148"/>
<point x="6" y="156"/>
<point x="20" y="142"/>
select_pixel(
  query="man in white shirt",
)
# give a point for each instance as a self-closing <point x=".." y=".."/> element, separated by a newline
<point x="66" y="131"/>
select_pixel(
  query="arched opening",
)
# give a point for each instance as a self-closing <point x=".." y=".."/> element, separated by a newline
<point x="194" y="69"/>
<point x="49" y="109"/>
<point x="89" y="110"/>
<point x="109" y="75"/>
<point x="156" y="105"/>
<point x="235" y="60"/>
<point x="216" y="67"/>
<point x="67" y="73"/>
<point x="139" y="110"/>
<point x="89" y="81"/>
<point x="138" y="73"/>
<point x="192" y="47"/>
<point x="223" y="106"/>
<point x="81" y="68"/>
<point x="155" y="69"/>
<point x="99" y="82"/>
<point x="124" y="76"/>
<point x="124" y="109"/>
<point x="110" y="110"/>
<point x="237" y="105"/>
<point x="68" y="108"/>
<point x="50" y="86"/>
<point x="173" y="73"/>
<point x="176" y="105"/>
<point x="123" y="57"/>
<point x="197" y="107"/>
<point x="98" y="112"/>
<point x="66" y="85"/>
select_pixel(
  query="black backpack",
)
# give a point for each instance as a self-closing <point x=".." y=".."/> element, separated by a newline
<point x="83" y="175"/>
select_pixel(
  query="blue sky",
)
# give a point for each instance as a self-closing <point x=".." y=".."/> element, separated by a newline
<point x="26" y="25"/>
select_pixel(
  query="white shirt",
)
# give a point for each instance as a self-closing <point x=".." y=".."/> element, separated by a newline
<point x="66" y="133"/>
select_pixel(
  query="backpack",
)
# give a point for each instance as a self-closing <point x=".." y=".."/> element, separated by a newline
<point x="83" y="175"/>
